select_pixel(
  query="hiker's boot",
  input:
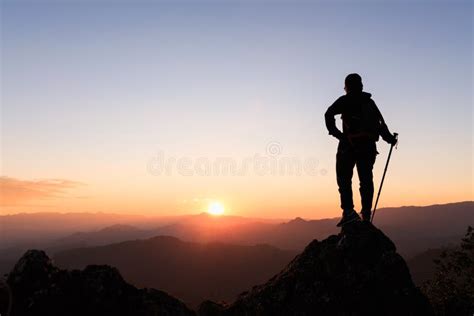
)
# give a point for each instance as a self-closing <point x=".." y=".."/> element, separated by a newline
<point x="348" y="217"/>
<point x="366" y="215"/>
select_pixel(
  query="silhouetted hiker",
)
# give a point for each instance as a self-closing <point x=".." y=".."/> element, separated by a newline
<point x="362" y="124"/>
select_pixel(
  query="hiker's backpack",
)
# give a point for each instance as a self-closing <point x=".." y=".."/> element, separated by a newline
<point x="362" y="120"/>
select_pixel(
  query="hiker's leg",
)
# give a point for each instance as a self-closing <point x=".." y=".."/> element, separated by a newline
<point x="344" y="169"/>
<point x="365" y="163"/>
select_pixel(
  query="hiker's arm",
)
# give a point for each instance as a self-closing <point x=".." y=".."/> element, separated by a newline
<point x="332" y="111"/>
<point x="384" y="131"/>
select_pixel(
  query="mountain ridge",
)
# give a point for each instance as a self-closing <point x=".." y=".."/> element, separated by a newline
<point x="357" y="272"/>
<point x="207" y="270"/>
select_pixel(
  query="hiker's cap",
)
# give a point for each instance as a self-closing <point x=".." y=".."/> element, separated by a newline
<point x="353" y="82"/>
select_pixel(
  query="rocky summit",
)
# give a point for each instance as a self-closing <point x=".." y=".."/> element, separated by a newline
<point x="39" y="288"/>
<point x="357" y="272"/>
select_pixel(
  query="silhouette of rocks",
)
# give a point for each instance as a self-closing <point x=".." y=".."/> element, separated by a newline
<point x="40" y="288"/>
<point x="5" y="298"/>
<point x="357" y="272"/>
<point x="210" y="308"/>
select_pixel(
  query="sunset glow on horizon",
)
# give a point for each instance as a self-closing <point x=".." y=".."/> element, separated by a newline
<point x="216" y="208"/>
<point x="162" y="109"/>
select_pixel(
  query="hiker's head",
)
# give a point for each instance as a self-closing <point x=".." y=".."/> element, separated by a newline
<point x="353" y="83"/>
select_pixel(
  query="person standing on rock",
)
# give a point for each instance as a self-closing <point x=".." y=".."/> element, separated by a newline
<point x="362" y="124"/>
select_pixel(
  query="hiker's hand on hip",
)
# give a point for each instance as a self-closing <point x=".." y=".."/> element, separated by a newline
<point x="341" y="137"/>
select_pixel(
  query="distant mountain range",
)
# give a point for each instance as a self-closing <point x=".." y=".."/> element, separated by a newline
<point x="43" y="228"/>
<point x="228" y="279"/>
<point x="190" y="271"/>
<point x="414" y="229"/>
<point x="334" y="276"/>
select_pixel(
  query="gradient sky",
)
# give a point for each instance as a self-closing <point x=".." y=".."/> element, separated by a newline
<point x="93" y="91"/>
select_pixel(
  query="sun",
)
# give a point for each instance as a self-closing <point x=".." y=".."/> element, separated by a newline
<point x="215" y="208"/>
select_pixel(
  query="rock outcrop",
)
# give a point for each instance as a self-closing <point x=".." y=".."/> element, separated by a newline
<point x="5" y="298"/>
<point x="40" y="288"/>
<point x="357" y="272"/>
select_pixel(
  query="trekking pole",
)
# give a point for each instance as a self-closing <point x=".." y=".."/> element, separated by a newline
<point x="383" y="177"/>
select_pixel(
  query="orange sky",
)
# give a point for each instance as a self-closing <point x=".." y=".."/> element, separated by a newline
<point x="270" y="197"/>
